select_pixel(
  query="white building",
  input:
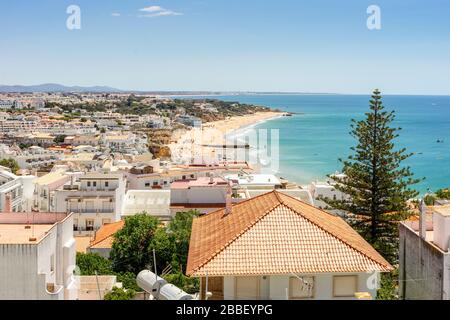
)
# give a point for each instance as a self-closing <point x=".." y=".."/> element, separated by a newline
<point x="44" y="190"/>
<point x="7" y="104"/>
<point x="11" y="192"/>
<point x="163" y="176"/>
<point x="325" y="189"/>
<point x="202" y="190"/>
<point x="153" y="202"/>
<point x="190" y="121"/>
<point x="37" y="259"/>
<point x="255" y="181"/>
<point x="16" y="192"/>
<point x="125" y="142"/>
<point x="424" y="272"/>
<point x="202" y="194"/>
<point x="277" y="247"/>
<point x="300" y="194"/>
<point x="31" y="158"/>
<point x="94" y="198"/>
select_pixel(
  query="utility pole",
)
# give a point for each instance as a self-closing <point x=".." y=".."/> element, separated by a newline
<point x="98" y="286"/>
<point x="156" y="274"/>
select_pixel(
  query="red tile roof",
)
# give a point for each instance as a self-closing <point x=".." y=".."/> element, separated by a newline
<point x="104" y="236"/>
<point x="277" y="234"/>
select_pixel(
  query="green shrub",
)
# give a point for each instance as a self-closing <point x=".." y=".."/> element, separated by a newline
<point x="120" y="294"/>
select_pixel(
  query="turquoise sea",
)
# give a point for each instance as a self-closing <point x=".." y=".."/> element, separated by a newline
<point x="312" y="140"/>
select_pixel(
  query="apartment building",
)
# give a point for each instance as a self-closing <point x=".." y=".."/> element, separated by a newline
<point x="94" y="198"/>
<point x="126" y="143"/>
<point x="37" y="257"/>
<point x="37" y="157"/>
<point x="7" y="104"/>
<point x="81" y="140"/>
<point x="190" y="121"/>
<point x="164" y="175"/>
<point x="11" y="192"/>
<point x="10" y="124"/>
<point x="44" y="192"/>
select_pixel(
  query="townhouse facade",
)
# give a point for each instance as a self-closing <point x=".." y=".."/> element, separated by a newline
<point x="95" y="199"/>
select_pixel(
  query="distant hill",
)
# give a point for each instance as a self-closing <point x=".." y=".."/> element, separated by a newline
<point x="53" y="87"/>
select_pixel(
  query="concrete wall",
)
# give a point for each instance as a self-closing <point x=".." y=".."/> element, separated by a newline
<point x="18" y="272"/>
<point x="421" y="271"/>
<point x="199" y="195"/>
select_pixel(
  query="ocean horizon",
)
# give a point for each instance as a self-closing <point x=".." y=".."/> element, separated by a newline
<point x="317" y="135"/>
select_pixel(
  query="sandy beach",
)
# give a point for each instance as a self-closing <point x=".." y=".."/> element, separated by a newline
<point x="196" y="142"/>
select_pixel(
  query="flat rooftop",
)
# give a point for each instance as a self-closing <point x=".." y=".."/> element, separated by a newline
<point x="255" y="179"/>
<point x="19" y="234"/>
<point x="199" y="182"/>
<point x="443" y="210"/>
<point x="50" y="178"/>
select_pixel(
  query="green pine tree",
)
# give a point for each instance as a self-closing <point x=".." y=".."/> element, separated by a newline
<point x="377" y="183"/>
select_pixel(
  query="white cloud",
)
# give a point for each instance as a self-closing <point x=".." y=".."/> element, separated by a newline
<point x="157" y="11"/>
<point x="115" y="14"/>
<point x="152" y="9"/>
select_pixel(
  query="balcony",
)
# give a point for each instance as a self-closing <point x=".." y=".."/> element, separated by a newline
<point x="91" y="210"/>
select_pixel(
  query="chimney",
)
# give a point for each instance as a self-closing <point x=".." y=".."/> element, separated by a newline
<point x="228" y="202"/>
<point x="423" y="220"/>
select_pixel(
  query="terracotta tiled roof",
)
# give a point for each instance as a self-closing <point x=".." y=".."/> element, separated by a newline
<point x="277" y="234"/>
<point x="104" y="235"/>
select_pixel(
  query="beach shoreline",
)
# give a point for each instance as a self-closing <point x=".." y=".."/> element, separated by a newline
<point x="215" y="133"/>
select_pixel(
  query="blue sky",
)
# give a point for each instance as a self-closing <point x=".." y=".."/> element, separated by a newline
<point x="254" y="45"/>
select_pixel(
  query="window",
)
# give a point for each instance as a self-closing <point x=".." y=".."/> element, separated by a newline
<point x="90" y="206"/>
<point x="75" y="224"/>
<point x="88" y="183"/>
<point x="106" y="221"/>
<point x="155" y="183"/>
<point x="106" y="184"/>
<point x="302" y="288"/>
<point x="344" y="286"/>
<point x="89" y="224"/>
<point x="73" y="206"/>
<point x="106" y="206"/>
<point x="147" y="184"/>
<point x="94" y="183"/>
